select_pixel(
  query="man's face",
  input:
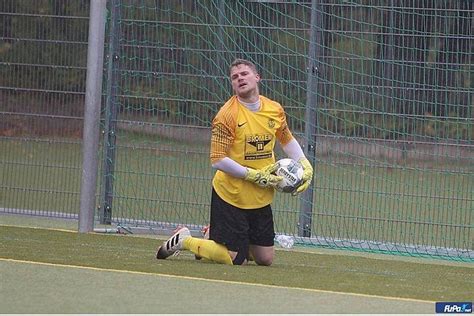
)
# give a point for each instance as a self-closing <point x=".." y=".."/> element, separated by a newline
<point x="244" y="80"/>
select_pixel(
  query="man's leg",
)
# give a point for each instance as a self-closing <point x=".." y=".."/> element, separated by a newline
<point x="208" y="249"/>
<point x="262" y="235"/>
<point x="182" y="240"/>
<point x="262" y="255"/>
<point x="229" y="227"/>
<point x="205" y="235"/>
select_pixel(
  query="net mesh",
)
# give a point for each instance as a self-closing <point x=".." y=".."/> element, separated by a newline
<point x="392" y="98"/>
<point x="394" y="112"/>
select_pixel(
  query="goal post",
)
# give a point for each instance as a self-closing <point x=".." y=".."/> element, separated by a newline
<point x="376" y="92"/>
<point x="90" y="163"/>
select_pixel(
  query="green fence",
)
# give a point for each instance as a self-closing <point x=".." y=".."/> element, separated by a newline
<point x="379" y="92"/>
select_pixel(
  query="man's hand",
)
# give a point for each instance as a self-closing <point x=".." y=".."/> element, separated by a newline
<point x="264" y="177"/>
<point x="307" y="176"/>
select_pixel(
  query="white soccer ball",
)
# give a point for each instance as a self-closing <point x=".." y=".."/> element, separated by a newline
<point x="292" y="173"/>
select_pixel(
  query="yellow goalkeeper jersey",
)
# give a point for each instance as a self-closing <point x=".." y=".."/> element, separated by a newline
<point x="248" y="138"/>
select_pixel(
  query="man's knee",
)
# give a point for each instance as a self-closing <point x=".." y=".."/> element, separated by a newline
<point x="265" y="260"/>
<point x="263" y="255"/>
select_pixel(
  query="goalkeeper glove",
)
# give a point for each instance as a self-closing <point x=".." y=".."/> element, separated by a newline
<point x="307" y="176"/>
<point x="264" y="177"/>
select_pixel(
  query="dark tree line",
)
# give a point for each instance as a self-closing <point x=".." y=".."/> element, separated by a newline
<point x="422" y="46"/>
<point x="408" y="57"/>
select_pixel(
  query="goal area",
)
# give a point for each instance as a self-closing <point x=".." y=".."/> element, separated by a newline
<point x="379" y="93"/>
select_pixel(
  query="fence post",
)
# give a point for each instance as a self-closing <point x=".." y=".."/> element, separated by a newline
<point x="306" y="212"/>
<point x="95" y="56"/>
<point x="113" y="57"/>
<point x="221" y="62"/>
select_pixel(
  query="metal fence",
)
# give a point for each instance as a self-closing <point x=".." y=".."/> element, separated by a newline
<point x="378" y="92"/>
<point x="43" y="52"/>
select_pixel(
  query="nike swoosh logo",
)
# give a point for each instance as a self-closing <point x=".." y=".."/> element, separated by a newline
<point x="241" y="124"/>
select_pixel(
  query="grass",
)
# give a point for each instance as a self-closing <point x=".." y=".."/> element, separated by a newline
<point x="168" y="181"/>
<point x="311" y="270"/>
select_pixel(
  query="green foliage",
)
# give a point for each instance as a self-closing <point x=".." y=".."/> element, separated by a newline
<point x="47" y="41"/>
<point x="174" y="57"/>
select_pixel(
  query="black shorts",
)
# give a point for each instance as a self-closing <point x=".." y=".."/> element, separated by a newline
<point x="237" y="228"/>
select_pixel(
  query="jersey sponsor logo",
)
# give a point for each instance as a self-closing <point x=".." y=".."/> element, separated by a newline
<point x="256" y="146"/>
<point x="257" y="156"/>
<point x="258" y="138"/>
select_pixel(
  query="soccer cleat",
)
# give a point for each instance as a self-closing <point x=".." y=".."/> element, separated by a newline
<point x="173" y="244"/>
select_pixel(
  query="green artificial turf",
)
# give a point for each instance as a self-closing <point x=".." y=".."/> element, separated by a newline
<point x="325" y="271"/>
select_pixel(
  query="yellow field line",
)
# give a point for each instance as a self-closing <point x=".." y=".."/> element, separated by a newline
<point x="214" y="280"/>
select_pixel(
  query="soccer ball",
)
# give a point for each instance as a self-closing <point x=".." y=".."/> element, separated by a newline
<point x="292" y="173"/>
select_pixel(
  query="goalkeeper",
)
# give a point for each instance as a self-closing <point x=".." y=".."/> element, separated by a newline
<point x="244" y="133"/>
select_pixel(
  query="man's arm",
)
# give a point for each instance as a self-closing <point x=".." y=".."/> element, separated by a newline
<point x="231" y="167"/>
<point x="293" y="150"/>
<point x="263" y="177"/>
